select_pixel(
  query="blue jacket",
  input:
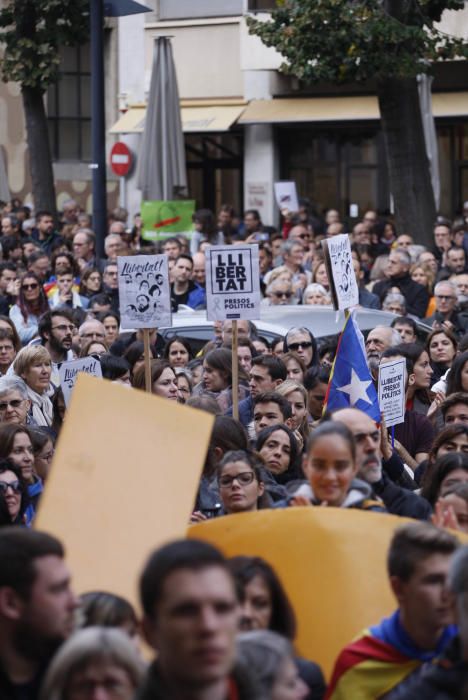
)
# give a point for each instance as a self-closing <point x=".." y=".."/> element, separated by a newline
<point x="245" y="411"/>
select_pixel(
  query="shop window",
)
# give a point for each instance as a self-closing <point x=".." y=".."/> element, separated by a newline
<point x="69" y="106"/>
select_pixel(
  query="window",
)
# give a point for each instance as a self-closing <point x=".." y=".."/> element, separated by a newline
<point x="69" y="106"/>
<point x="189" y="9"/>
<point x="261" y="5"/>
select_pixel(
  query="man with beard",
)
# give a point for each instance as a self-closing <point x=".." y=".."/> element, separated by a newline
<point x="37" y="609"/>
<point x="379" y="339"/>
<point x="56" y="329"/>
<point x="380" y="467"/>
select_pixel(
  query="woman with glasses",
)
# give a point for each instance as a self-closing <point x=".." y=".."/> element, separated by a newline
<point x="241" y="488"/>
<point x="280" y="292"/>
<point x="16" y="447"/>
<point x="14" y="492"/>
<point x="301" y="342"/>
<point x="32" y="303"/>
<point x="91" y="282"/>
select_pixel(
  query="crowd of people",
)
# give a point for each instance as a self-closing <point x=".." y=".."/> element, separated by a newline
<point x="226" y="628"/>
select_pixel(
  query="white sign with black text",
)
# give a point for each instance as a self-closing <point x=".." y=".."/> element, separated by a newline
<point x="340" y="263"/>
<point x="392" y="399"/>
<point x="232" y="283"/>
<point x="68" y="373"/>
<point x="144" y="291"/>
<point x="286" y="196"/>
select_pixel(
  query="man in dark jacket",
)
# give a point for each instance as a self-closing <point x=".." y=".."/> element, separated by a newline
<point x="37" y="609"/>
<point x="380" y="468"/>
<point x="190" y="618"/>
<point x="417" y="296"/>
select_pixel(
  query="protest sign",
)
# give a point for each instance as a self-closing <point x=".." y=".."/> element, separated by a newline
<point x="340" y="270"/>
<point x="392" y="391"/>
<point x="232" y="283"/>
<point x="110" y="496"/>
<point x="144" y="291"/>
<point x="165" y="219"/>
<point x="68" y="373"/>
<point x="286" y="196"/>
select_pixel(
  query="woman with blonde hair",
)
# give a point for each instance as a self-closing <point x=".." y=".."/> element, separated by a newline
<point x="422" y="274"/>
<point x="92" y="658"/>
<point x="33" y="364"/>
<point x="296" y="394"/>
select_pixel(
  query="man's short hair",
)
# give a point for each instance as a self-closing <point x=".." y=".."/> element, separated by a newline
<point x="102" y="299"/>
<point x="90" y="235"/>
<point x="405" y="257"/>
<point x="405" y="321"/>
<point x="37" y="255"/>
<point x="13" y="383"/>
<point x="446" y="283"/>
<point x="274" y="397"/>
<point x="19" y="548"/>
<point x="110" y="263"/>
<point x="452" y="400"/>
<point x="274" y="366"/>
<point x="415" y="542"/>
<point x="41" y="214"/>
<point x="184" y="256"/>
<point x="173" y="241"/>
<point x="7" y="265"/>
<point x="45" y="322"/>
<point x="194" y="555"/>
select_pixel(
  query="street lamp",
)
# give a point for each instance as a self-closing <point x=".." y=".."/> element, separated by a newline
<point x="98" y="10"/>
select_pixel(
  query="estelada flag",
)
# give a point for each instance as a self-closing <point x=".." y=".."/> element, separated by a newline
<point x="351" y="384"/>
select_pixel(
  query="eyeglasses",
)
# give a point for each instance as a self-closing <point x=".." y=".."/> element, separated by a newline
<point x="304" y="235"/>
<point x="64" y="327"/>
<point x="15" y="486"/>
<point x="283" y="295"/>
<point x="243" y="479"/>
<point x="297" y="346"/>
<point x="362" y="437"/>
<point x="15" y="403"/>
<point x="444" y="297"/>
<point x="34" y="285"/>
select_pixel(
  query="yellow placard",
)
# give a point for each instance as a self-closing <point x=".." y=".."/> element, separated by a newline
<point x="332" y="562"/>
<point x="123" y="481"/>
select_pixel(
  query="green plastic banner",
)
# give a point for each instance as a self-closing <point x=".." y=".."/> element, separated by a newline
<point x="162" y="220"/>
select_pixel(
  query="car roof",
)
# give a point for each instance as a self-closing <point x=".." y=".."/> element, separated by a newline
<point x="276" y="321"/>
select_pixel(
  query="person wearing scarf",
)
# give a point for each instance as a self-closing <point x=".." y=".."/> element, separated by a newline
<point x="383" y="659"/>
<point x="34" y="366"/>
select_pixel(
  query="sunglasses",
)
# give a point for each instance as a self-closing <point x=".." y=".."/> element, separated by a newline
<point x="298" y="346"/>
<point x="34" y="285"/>
<point x="243" y="479"/>
<point x="16" y="403"/>
<point x="283" y="295"/>
<point x="15" y="486"/>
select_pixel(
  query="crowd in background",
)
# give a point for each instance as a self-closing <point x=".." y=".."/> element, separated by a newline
<point x="59" y="301"/>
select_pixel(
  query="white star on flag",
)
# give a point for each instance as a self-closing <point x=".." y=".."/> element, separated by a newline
<point x="357" y="389"/>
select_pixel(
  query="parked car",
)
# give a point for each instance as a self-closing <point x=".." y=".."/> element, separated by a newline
<point x="275" y="321"/>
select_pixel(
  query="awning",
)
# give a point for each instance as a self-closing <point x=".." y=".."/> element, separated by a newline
<point x="339" y="109"/>
<point x="196" y="117"/>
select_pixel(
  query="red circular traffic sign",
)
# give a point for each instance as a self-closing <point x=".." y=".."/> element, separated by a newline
<point x="120" y="159"/>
